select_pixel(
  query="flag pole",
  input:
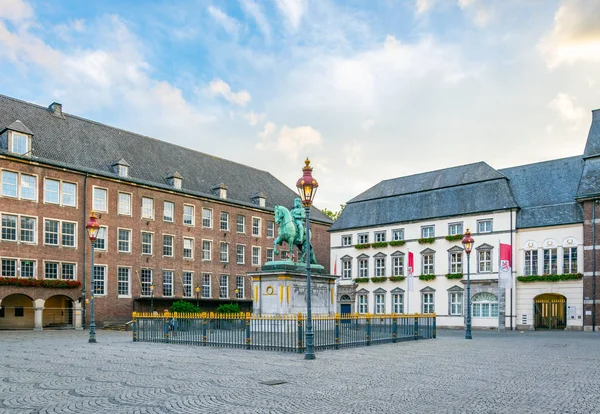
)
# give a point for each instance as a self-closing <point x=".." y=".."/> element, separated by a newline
<point x="499" y="258"/>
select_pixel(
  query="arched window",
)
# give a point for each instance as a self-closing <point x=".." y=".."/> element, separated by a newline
<point x="345" y="297"/>
<point x="485" y="305"/>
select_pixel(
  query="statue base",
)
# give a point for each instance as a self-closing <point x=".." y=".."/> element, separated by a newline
<point x="280" y="289"/>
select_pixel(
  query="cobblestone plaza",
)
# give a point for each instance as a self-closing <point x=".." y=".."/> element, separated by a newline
<point x="512" y="372"/>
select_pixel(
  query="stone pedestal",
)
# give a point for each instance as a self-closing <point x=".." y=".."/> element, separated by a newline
<point x="280" y="289"/>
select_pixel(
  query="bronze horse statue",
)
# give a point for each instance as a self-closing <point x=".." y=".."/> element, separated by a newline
<point x="287" y="232"/>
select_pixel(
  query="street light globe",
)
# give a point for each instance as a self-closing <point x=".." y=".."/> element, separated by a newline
<point x="307" y="185"/>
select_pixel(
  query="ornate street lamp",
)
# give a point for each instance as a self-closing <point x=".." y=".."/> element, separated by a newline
<point x="93" y="228"/>
<point x="307" y="187"/>
<point x="467" y="243"/>
<point x="197" y="296"/>
<point x="152" y="298"/>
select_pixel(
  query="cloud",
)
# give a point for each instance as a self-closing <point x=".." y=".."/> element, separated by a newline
<point x="230" y="25"/>
<point x="565" y="107"/>
<point x="15" y="10"/>
<point x="219" y="87"/>
<point x="367" y="124"/>
<point x="575" y="35"/>
<point x="423" y="6"/>
<point x="254" y="10"/>
<point x="254" y="118"/>
<point x="288" y="141"/>
<point x="352" y="154"/>
<point x="481" y="12"/>
<point x="292" y="10"/>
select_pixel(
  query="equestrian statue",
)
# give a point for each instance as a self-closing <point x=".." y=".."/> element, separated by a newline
<point x="292" y="230"/>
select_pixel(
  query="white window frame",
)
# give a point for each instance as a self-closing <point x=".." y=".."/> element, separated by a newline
<point x="379" y="236"/>
<point x="207" y="220"/>
<point x="205" y="251"/>
<point x="550" y="261"/>
<point x="240" y="254"/>
<point x="347" y="269"/>
<point x="146" y="281"/>
<point x="427" y="302"/>
<point x="362" y="303"/>
<point x="14" y="267"/>
<point x="531" y="268"/>
<point x="19" y="136"/>
<point x="255" y="255"/>
<point x="224" y="252"/>
<point x="120" y="205"/>
<point x="172" y="238"/>
<point x="256" y="226"/>
<point x="95" y="199"/>
<point x="362" y="238"/>
<point x="123" y="282"/>
<point x="34" y="272"/>
<point x="398" y="265"/>
<point x="270" y="254"/>
<point x="189" y="217"/>
<point x="397" y="234"/>
<point x="63" y="234"/>
<point x="206" y="285"/>
<point x="484" y="308"/>
<point x="455" y="300"/>
<point x="483" y="224"/>
<point x="240" y="287"/>
<point x="19" y="229"/>
<point x="363" y="268"/>
<point x="224" y="221"/>
<point x="168" y="277"/>
<point x="428" y="264"/>
<point x="570" y="260"/>
<point x="379" y="266"/>
<point x="119" y="241"/>
<point x="145" y="244"/>
<point x="147" y="209"/>
<point x="484" y="264"/>
<point x="102" y="281"/>
<point x="270" y="229"/>
<point x="188" y="282"/>
<point x="454" y="229"/>
<point x="102" y="232"/>
<point x="60" y="193"/>
<point x="347" y="240"/>
<point x="172" y="217"/>
<point x="456" y="262"/>
<point x="427" y="232"/>
<point x="191" y="249"/>
<point x="241" y="223"/>
<point x="398" y="303"/>
<point x="380" y="303"/>
<point x="223" y="287"/>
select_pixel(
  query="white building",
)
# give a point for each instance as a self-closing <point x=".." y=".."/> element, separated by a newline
<point x="532" y="208"/>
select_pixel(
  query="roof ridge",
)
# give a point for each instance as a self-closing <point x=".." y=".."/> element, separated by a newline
<point x="541" y="162"/>
<point x="66" y="114"/>
<point x="437" y="171"/>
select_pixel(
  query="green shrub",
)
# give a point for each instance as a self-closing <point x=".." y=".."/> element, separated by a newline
<point x="454" y="275"/>
<point x="361" y="279"/>
<point x="426" y="240"/>
<point x="550" y="278"/>
<point x="426" y="277"/>
<point x="378" y="279"/>
<point x="182" y="306"/>
<point x="229" y="308"/>
<point x="362" y="246"/>
<point x="454" y="237"/>
<point x="397" y="278"/>
<point x="379" y="244"/>
<point x="396" y="243"/>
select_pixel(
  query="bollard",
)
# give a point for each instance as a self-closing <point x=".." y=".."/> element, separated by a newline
<point x="434" y="326"/>
<point x="300" y="334"/>
<point x="416" y="328"/>
<point x="203" y="331"/>
<point x="248" y="339"/>
<point x="368" y="320"/>
<point x="134" y="329"/>
<point x="394" y="328"/>
<point x="337" y="331"/>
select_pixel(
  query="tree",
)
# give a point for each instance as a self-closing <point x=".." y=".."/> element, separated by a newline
<point x="333" y="215"/>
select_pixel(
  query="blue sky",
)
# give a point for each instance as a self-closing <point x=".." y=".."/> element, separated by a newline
<point x="369" y="90"/>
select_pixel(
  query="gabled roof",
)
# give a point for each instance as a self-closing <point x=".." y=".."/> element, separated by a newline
<point x="94" y="147"/>
<point x="18" y="126"/>
<point x="432" y="180"/>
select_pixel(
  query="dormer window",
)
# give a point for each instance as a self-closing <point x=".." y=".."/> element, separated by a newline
<point x="175" y="180"/>
<point x="260" y="199"/>
<point x="16" y="138"/>
<point x="123" y="171"/>
<point x="220" y="191"/>
<point x="177" y="183"/>
<point x="121" y="167"/>
<point x="20" y="143"/>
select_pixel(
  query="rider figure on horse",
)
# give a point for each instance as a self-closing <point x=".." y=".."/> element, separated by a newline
<point x="298" y="216"/>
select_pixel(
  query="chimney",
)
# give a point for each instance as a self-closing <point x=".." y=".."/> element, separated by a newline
<point x="221" y="191"/>
<point x="55" y="109"/>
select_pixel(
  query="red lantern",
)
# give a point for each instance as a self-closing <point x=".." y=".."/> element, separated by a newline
<point x="307" y="185"/>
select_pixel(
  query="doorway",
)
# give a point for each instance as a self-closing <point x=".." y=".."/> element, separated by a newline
<point x="550" y="311"/>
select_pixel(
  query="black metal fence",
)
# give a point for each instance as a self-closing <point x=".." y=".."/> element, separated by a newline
<point x="280" y="332"/>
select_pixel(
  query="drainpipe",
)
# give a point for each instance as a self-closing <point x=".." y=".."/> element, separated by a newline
<point x="594" y="264"/>
<point x="83" y="316"/>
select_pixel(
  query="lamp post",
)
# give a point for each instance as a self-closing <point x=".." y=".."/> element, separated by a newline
<point x="152" y="298"/>
<point x="197" y="296"/>
<point x="467" y="243"/>
<point x="307" y="187"/>
<point x="93" y="228"/>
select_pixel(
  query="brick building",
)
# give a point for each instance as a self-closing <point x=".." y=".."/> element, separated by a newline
<point x="175" y="223"/>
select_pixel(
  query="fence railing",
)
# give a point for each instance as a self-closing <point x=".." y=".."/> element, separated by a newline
<point x="280" y="332"/>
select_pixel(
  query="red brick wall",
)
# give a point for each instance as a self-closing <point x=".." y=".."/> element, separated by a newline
<point x="110" y="307"/>
<point x="588" y="264"/>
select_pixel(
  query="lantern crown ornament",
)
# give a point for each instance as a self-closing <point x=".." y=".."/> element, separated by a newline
<point x="467" y="242"/>
<point x="307" y="185"/>
<point x="93" y="227"/>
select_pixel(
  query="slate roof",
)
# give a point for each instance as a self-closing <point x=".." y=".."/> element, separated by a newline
<point x="86" y="145"/>
<point x="432" y="180"/>
<point x="18" y="127"/>
<point x="545" y="192"/>
<point x="590" y="178"/>
<point x="444" y="193"/>
<point x="592" y="146"/>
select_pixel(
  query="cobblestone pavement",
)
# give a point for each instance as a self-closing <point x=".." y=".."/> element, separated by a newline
<point x="531" y="372"/>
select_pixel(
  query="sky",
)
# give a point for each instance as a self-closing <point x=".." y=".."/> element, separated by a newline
<point x="368" y="90"/>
